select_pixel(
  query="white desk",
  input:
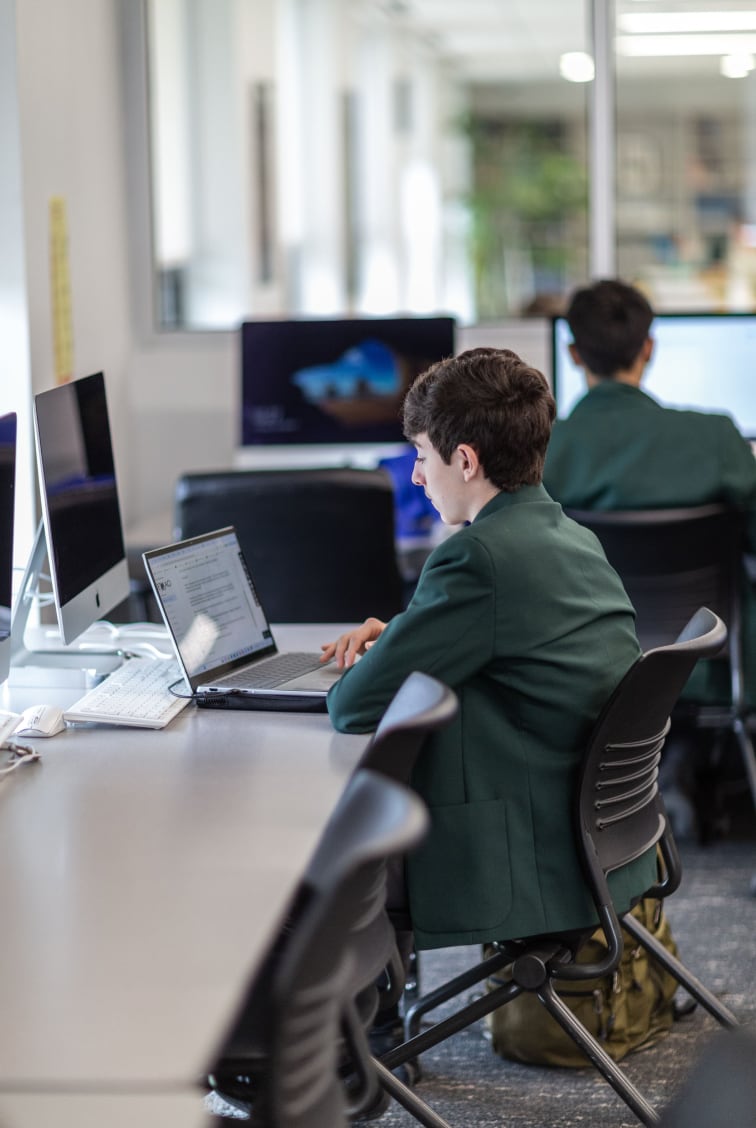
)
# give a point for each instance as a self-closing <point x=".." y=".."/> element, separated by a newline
<point x="97" y="1110"/>
<point x="142" y="876"/>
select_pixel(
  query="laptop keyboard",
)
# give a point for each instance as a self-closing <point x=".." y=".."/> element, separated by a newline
<point x="275" y="671"/>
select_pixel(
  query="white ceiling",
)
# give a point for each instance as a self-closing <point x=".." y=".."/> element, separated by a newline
<point x="495" y="40"/>
<point x="522" y="40"/>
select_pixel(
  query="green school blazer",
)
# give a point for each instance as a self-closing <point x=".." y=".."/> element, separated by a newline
<point x="522" y="615"/>
<point x="620" y="449"/>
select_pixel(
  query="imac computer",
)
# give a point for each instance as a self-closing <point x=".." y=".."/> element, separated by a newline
<point x="702" y="361"/>
<point x="81" y="531"/>
<point x="330" y="390"/>
<point x="8" y="425"/>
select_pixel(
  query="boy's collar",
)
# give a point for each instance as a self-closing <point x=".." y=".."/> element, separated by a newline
<point x="504" y="499"/>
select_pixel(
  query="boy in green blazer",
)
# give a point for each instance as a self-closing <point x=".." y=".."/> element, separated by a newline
<point x="520" y="613"/>
<point x="620" y="449"/>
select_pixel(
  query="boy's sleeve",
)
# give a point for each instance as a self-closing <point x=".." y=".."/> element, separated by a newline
<point x="447" y="631"/>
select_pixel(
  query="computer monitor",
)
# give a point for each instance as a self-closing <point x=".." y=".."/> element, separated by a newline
<point x="8" y="424"/>
<point x="703" y="361"/>
<point x="80" y="506"/>
<point x="338" y="382"/>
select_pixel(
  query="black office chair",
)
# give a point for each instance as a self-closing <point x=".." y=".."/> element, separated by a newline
<point x="287" y="1057"/>
<point x="421" y="706"/>
<point x="619" y="815"/>
<point x="320" y="544"/>
<point x="671" y="562"/>
<point x="375" y="975"/>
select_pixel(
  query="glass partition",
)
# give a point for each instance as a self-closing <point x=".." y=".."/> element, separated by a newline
<point x="326" y="157"/>
<point x="367" y="157"/>
<point x="686" y="151"/>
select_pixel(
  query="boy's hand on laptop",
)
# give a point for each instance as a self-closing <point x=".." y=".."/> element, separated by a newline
<point x="348" y="646"/>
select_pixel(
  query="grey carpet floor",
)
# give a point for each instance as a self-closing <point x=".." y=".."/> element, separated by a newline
<point x="713" y="919"/>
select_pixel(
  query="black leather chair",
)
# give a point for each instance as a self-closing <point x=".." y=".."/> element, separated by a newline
<point x="671" y="562"/>
<point x="619" y="815"/>
<point x="319" y="543"/>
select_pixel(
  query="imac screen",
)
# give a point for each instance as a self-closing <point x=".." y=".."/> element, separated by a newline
<point x="334" y="381"/>
<point x="7" y="490"/>
<point x="702" y="361"/>
<point x="80" y="503"/>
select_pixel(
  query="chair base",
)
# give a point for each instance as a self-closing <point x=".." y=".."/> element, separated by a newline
<point x="680" y="972"/>
<point x="489" y="1002"/>
<point x="418" y="1043"/>
<point x="410" y="1101"/>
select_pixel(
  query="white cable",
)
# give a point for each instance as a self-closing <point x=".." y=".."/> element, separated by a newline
<point x="22" y="754"/>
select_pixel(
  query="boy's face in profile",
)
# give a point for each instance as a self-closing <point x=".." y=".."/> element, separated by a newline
<point x="444" y="486"/>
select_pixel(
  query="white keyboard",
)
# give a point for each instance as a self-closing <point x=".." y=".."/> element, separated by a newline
<point x="135" y="694"/>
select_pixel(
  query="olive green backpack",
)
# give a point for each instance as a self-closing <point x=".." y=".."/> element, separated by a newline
<point x="628" y="1010"/>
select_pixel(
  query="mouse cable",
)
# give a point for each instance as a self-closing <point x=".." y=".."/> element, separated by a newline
<point x="20" y="754"/>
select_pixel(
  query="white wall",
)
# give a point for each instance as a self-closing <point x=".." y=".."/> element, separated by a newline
<point x="171" y="400"/>
<point x="71" y="147"/>
<point x="530" y="339"/>
<point x="15" y="370"/>
<point x="183" y="398"/>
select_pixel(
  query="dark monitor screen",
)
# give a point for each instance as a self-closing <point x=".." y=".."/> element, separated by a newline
<point x="80" y="503"/>
<point x="703" y="361"/>
<point x="8" y="425"/>
<point x="334" y="381"/>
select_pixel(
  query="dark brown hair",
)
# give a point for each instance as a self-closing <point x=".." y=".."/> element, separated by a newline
<point x="610" y="322"/>
<point x="494" y="402"/>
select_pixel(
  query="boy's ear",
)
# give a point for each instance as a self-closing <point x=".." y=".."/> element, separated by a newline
<point x="576" y="357"/>
<point x="648" y="350"/>
<point x="468" y="460"/>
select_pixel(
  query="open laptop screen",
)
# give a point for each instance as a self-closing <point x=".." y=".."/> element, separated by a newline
<point x="209" y="602"/>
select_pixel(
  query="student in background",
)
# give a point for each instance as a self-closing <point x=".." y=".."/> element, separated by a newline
<point x="620" y="449"/>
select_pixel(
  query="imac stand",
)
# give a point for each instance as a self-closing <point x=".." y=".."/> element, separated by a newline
<point x="50" y="666"/>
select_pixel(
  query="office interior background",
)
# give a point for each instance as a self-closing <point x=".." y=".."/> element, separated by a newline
<point x="220" y="160"/>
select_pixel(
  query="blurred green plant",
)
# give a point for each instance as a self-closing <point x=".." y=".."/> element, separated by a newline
<point x="527" y="210"/>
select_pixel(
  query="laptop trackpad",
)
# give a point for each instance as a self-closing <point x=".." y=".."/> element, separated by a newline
<point x="315" y="680"/>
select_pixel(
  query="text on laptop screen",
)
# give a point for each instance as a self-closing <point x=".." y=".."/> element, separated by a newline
<point x="703" y="361"/>
<point x="211" y="603"/>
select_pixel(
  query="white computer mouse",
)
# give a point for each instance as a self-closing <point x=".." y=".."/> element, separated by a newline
<point x="41" y="720"/>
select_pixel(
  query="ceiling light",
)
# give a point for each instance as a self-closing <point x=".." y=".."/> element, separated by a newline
<point x="576" y="66"/>
<point x="655" y="23"/>
<point x="737" y="66"/>
<point x="671" y="45"/>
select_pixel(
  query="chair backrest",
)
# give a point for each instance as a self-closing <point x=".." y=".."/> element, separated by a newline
<point x="673" y="561"/>
<point x="421" y="705"/>
<point x="619" y="810"/>
<point x="375" y="820"/>
<point x="320" y="544"/>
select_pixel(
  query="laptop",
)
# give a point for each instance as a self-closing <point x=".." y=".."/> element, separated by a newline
<point x="221" y="635"/>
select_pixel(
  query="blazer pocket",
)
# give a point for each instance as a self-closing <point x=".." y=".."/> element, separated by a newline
<point x="460" y="878"/>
